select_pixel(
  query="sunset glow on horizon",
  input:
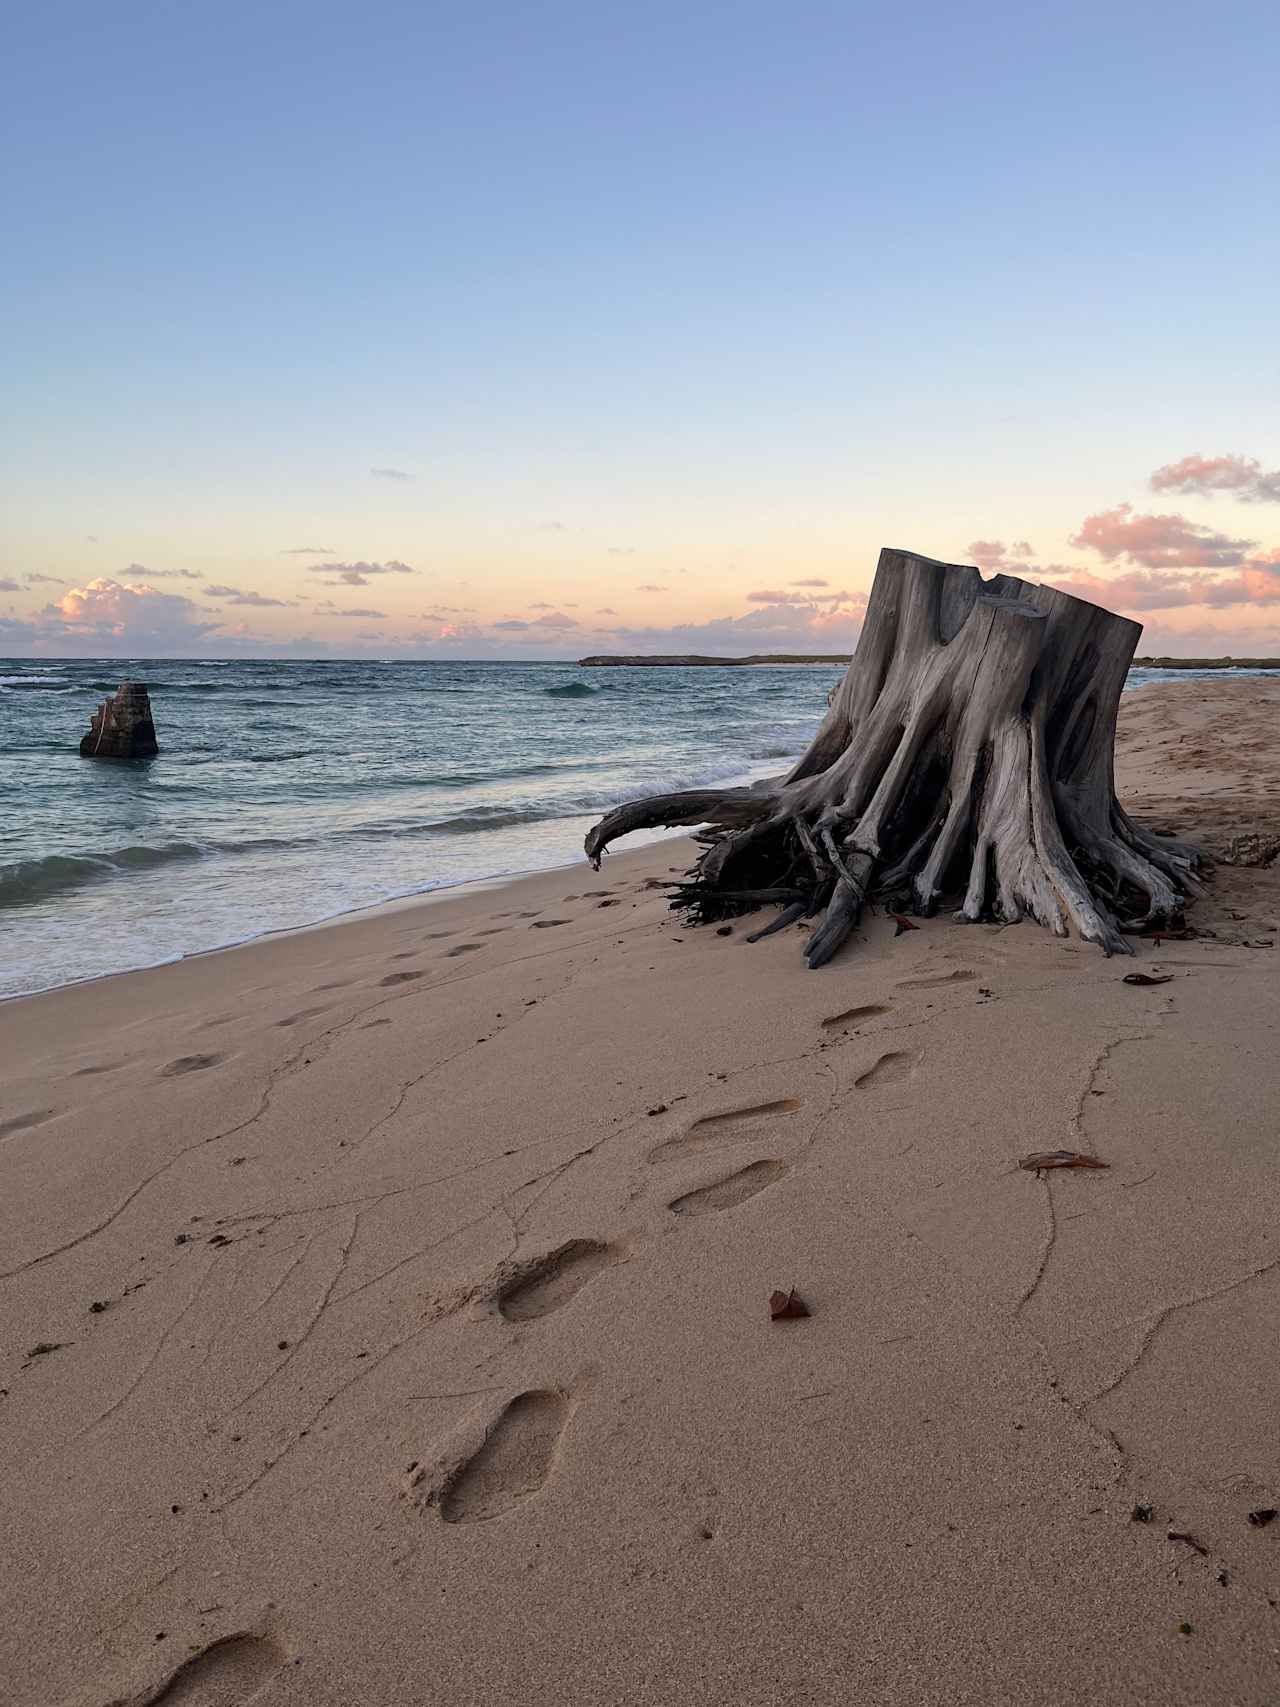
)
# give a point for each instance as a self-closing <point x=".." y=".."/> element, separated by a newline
<point x="467" y="336"/>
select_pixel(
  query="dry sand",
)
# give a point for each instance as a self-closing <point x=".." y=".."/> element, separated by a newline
<point x="385" y="1307"/>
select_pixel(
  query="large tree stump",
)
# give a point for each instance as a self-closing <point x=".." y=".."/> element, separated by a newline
<point x="968" y="752"/>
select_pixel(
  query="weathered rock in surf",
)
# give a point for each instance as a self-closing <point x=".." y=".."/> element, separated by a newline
<point x="122" y="727"/>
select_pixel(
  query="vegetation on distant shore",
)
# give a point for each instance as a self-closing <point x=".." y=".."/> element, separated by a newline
<point x="684" y="659"/>
<point x="699" y="658"/>
<point x="1206" y="664"/>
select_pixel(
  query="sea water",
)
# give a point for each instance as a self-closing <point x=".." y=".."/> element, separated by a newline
<point x="286" y="793"/>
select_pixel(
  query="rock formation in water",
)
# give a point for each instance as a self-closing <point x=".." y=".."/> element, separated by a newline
<point x="122" y="726"/>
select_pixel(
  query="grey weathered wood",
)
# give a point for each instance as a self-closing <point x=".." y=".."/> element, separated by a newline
<point x="969" y="748"/>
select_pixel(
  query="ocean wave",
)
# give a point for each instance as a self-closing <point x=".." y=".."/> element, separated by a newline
<point x="571" y="690"/>
<point x="25" y="881"/>
<point x="34" y="681"/>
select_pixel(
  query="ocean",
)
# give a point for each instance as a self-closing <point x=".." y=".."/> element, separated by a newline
<point x="287" y="793"/>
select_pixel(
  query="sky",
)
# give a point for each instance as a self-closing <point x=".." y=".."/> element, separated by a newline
<point x="421" y="330"/>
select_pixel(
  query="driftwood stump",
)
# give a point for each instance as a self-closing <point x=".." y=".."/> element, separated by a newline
<point x="968" y="752"/>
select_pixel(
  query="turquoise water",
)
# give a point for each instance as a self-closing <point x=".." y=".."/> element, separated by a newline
<point x="287" y="793"/>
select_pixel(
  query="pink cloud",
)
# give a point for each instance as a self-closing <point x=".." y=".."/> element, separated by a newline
<point x="1242" y="476"/>
<point x="771" y="628"/>
<point x="138" y="618"/>
<point x="1257" y="582"/>
<point x="1159" y="542"/>
<point x="994" y="557"/>
<point x="767" y="596"/>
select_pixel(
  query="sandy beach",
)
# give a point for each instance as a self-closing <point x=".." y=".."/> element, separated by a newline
<point x="386" y="1307"/>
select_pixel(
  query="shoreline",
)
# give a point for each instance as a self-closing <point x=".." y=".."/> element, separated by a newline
<point x="408" y="898"/>
<point x="386" y="1303"/>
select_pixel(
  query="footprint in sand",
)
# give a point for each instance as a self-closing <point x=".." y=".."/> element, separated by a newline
<point x="890" y="1069"/>
<point x="438" y="936"/>
<point x="526" y="915"/>
<point x="546" y="924"/>
<point x="517" y="1456"/>
<point x="338" y="984"/>
<point x="494" y="930"/>
<point x="400" y="978"/>
<point x="189" y="1064"/>
<point x="23" y="1122"/>
<point x="723" y="1128"/>
<point x="227" y="1673"/>
<point x="302" y="1013"/>
<point x="726" y="1193"/>
<point x="103" y="1067"/>
<point x="462" y="948"/>
<point x="549" y="1282"/>
<point x="959" y="976"/>
<point x="852" y="1016"/>
<point x="371" y="1023"/>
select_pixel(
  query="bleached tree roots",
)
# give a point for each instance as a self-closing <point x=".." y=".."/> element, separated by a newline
<point x="967" y="753"/>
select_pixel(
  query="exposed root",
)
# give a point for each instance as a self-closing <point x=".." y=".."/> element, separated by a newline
<point x="967" y="755"/>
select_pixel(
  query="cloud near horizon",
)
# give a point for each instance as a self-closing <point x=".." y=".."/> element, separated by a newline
<point x="774" y="597"/>
<point x="771" y="628"/>
<point x="1158" y="587"/>
<point x="1159" y="542"/>
<point x="307" y="551"/>
<point x="358" y="574"/>
<point x="1242" y="476"/>
<point x="243" y="596"/>
<point x="105" y="609"/>
<point x="390" y="474"/>
<point x="163" y="574"/>
<point x="994" y="557"/>
<point x="1258" y="582"/>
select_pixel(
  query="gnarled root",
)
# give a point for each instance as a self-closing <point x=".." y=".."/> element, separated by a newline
<point x="967" y="752"/>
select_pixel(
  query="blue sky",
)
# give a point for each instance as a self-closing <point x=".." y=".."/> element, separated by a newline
<point x="704" y="298"/>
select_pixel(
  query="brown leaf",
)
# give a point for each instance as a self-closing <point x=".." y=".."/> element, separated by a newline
<point x="1261" y="1518"/>
<point x="1059" y="1159"/>
<point x="787" y="1306"/>
<point x="1148" y="978"/>
<point x="903" y="923"/>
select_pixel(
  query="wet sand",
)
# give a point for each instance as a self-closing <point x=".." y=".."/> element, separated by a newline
<point x="385" y="1307"/>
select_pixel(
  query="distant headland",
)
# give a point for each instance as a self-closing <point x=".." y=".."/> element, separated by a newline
<point x="690" y="658"/>
<point x="1206" y="664"/>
